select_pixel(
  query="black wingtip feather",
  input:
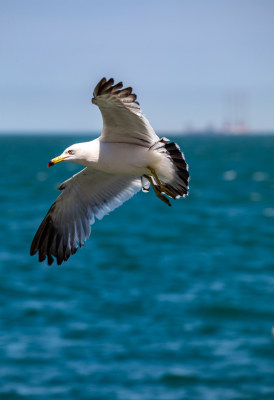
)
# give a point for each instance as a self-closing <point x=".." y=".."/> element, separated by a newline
<point x="50" y="259"/>
<point x="125" y="95"/>
<point x="49" y="243"/>
<point x="180" y="187"/>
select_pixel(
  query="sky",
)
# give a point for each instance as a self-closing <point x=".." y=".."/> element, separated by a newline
<point x="191" y="63"/>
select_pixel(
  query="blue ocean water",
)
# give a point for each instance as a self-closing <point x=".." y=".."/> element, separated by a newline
<point x="162" y="303"/>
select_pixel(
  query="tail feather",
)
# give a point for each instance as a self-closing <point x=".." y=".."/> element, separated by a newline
<point x="179" y="186"/>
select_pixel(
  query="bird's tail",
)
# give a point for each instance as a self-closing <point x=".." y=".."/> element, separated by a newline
<point x="177" y="186"/>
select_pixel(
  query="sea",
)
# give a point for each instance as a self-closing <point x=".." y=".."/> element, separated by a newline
<point x="162" y="303"/>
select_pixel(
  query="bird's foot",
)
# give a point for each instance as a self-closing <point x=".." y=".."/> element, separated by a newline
<point x="163" y="189"/>
<point x="157" y="190"/>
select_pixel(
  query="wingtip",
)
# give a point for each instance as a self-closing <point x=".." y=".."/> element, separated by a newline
<point x="97" y="87"/>
<point x="33" y="248"/>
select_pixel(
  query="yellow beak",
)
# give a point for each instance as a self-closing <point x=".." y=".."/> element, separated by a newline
<point x="56" y="160"/>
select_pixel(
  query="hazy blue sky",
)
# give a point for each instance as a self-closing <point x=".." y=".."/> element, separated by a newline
<point x="184" y="59"/>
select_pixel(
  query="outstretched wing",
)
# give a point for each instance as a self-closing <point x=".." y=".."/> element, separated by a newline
<point x="123" y="120"/>
<point x="86" y="195"/>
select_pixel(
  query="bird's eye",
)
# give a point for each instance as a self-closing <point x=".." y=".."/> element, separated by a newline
<point x="71" y="151"/>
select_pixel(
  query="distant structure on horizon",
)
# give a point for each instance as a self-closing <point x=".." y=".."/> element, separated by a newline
<point x="234" y="116"/>
<point x="236" y="112"/>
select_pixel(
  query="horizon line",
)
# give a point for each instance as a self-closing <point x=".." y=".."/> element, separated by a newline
<point x="162" y="132"/>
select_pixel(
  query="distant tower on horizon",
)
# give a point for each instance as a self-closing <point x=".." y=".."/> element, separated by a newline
<point x="236" y="112"/>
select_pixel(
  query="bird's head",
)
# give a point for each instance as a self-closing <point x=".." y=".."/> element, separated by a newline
<point x="73" y="153"/>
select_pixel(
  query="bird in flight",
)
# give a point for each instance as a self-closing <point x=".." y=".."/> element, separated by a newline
<point x="127" y="157"/>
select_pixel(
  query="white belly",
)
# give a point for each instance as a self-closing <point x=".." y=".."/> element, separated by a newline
<point x="121" y="158"/>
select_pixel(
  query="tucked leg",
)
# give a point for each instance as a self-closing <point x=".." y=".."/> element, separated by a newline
<point x="163" y="189"/>
<point x="157" y="190"/>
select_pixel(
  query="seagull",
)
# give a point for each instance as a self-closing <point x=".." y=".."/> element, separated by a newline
<point x="127" y="157"/>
